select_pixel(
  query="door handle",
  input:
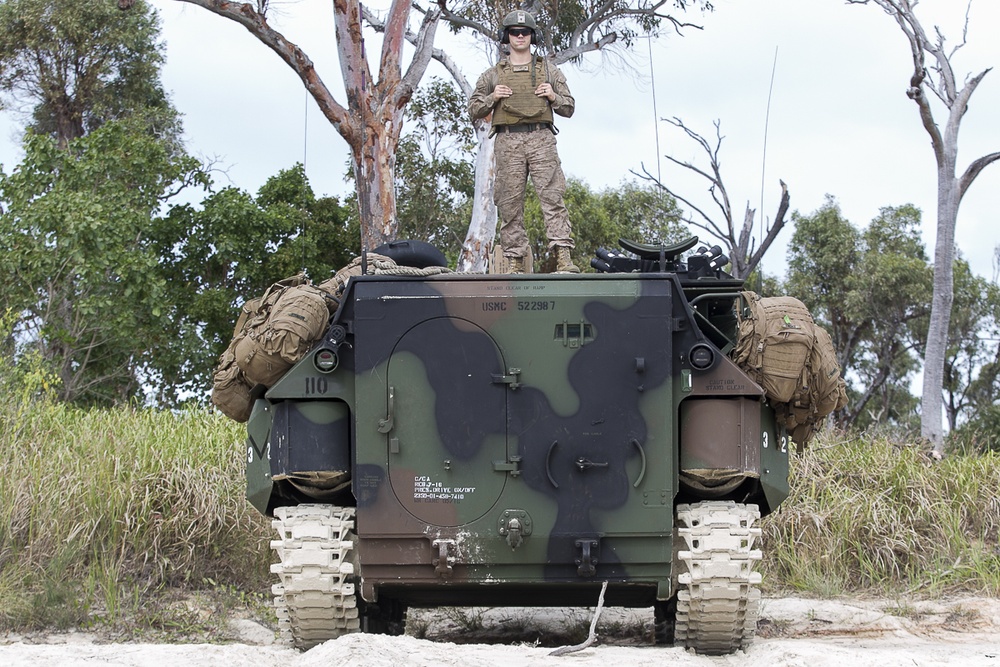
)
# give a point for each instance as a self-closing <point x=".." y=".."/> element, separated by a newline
<point x="385" y="425"/>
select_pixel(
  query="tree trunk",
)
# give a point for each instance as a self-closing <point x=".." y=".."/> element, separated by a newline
<point x="482" y="229"/>
<point x="937" y="331"/>
<point x="939" y="79"/>
<point x="374" y="172"/>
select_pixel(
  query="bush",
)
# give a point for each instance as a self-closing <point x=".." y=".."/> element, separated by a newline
<point x="980" y="434"/>
<point x="876" y="517"/>
<point x="103" y="510"/>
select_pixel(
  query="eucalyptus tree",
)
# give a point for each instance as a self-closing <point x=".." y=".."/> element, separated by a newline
<point x="225" y="251"/>
<point x="868" y="287"/>
<point x="78" y="267"/>
<point x="435" y="176"/>
<point x="568" y="31"/>
<point x="972" y="365"/>
<point x="934" y="78"/>
<point x="371" y="119"/>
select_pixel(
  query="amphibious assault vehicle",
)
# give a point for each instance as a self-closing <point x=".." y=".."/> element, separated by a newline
<point x="492" y="440"/>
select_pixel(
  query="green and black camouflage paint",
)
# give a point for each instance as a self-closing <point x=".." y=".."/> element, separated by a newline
<point x="462" y="401"/>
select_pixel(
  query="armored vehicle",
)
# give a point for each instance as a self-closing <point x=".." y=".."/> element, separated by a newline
<point x="519" y="440"/>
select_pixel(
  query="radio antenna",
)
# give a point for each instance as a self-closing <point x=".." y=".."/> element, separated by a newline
<point x="305" y="148"/>
<point x="656" y="119"/>
<point x="763" y="160"/>
<point x="305" y="131"/>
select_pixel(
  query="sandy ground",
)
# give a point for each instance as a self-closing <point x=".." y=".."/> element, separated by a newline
<point x="793" y="632"/>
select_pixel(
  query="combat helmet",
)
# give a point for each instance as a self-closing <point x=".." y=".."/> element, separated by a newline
<point x="515" y="19"/>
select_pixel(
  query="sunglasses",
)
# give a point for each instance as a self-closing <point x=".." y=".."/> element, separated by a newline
<point x="519" y="32"/>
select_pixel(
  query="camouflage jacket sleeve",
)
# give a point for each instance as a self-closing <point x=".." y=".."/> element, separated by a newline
<point x="564" y="104"/>
<point x="482" y="101"/>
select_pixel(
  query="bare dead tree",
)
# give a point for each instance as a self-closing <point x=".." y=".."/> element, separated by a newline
<point x="741" y="245"/>
<point x="932" y="72"/>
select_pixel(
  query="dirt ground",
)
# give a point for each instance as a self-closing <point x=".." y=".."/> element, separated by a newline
<point x="793" y="632"/>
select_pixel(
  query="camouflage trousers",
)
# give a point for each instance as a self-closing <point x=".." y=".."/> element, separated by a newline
<point x="518" y="155"/>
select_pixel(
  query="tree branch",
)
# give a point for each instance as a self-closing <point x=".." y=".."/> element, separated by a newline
<point x="294" y="57"/>
<point x="424" y="43"/>
<point x="972" y="171"/>
<point x="772" y="229"/>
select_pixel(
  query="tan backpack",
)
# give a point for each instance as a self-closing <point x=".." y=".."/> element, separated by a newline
<point x="272" y="332"/>
<point x="824" y="393"/>
<point x="231" y="389"/>
<point x="775" y="340"/>
<point x="793" y="360"/>
<point x="289" y="320"/>
<point x="827" y="386"/>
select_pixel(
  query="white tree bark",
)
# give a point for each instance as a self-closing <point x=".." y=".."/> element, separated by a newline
<point x="938" y="78"/>
<point x="482" y="228"/>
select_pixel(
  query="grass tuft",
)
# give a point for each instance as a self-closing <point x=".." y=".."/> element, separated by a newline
<point x="103" y="511"/>
<point x="870" y="516"/>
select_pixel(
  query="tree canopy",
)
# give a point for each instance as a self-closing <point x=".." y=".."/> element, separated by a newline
<point x="80" y="269"/>
<point x="228" y="250"/>
<point x="870" y="288"/>
<point x="72" y="65"/>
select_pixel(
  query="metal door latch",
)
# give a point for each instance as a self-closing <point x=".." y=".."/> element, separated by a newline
<point x="515" y="525"/>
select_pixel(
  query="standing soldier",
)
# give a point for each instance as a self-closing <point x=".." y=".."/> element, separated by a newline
<point x="522" y="91"/>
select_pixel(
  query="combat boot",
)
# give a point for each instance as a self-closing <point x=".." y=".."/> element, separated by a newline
<point x="515" y="265"/>
<point x="564" y="263"/>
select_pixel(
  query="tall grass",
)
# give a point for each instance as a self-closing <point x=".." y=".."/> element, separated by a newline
<point x="871" y="516"/>
<point x="102" y="510"/>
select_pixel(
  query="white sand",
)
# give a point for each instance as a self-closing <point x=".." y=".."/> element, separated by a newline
<point x="797" y="633"/>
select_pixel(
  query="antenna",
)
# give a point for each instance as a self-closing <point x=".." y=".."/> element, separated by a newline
<point x="656" y="116"/>
<point x="363" y="176"/>
<point x="305" y="130"/>
<point x="305" y="148"/>
<point x="763" y="159"/>
<point x="661" y="194"/>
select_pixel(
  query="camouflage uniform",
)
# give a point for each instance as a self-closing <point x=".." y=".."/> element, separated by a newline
<point x="519" y="154"/>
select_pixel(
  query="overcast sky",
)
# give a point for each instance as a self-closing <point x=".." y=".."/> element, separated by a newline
<point x="839" y="120"/>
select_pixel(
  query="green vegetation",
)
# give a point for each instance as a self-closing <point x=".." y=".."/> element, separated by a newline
<point x="124" y="519"/>
<point x="870" y="286"/>
<point x="76" y="64"/>
<point x="107" y="515"/>
<point x="875" y="517"/>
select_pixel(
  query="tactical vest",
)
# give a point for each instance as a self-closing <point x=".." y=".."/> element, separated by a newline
<point x="523" y="106"/>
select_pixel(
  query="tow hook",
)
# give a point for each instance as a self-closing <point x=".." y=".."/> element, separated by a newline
<point x="587" y="562"/>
